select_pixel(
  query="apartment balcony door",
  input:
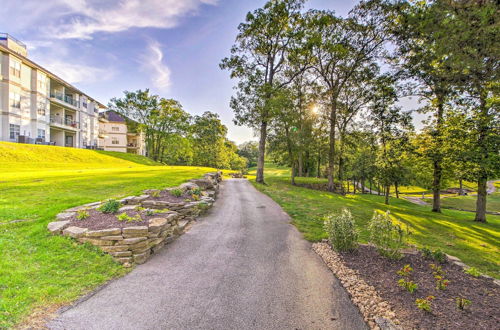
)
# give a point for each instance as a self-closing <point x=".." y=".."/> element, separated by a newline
<point x="68" y="141"/>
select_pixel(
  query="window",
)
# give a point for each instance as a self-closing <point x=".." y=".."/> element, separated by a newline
<point x="14" y="131"/>
<point x="15" y="100"/>
<point x="115" y="129"/>
<point x="15" y="68"/>
<point x="41" y="109"/>
<point x="42" y="86"/>
<point x="84" y="103"/>
<point x="41" y="134"/>
<point x="114" y="141"/>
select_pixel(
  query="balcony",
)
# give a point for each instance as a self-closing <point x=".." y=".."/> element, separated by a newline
<point x="132" y="146"/>
<point x="64" y="98"/>
<point x="64" y="122"/>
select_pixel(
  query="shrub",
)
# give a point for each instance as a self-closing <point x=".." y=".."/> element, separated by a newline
<point x="388" y="238"/>
<point x="436" y="255"/>
<point x="196" y="191"/>
<point x="425" y="304"/>
<point x="341" y="230"/>
<point x="410" y="286"/>
<point x="155" y="193"/>
<point x="472" y="271"/>
<point x="176" y="192"/>
<point x="462" y="303"/>
<point x="82" y="214"/>
<point x="110" y="206"/>
<point x="125" y="217"/>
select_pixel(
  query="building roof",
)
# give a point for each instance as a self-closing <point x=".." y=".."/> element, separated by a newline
<point x="32" y="64"/>
<point x="113" y="116"/>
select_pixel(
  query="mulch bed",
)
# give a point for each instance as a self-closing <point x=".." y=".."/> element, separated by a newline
<point x="380" y="272"/>
<point x="98" y="220"/>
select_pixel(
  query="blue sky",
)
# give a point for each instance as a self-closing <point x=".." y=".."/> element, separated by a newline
<point x="173" y="47"/>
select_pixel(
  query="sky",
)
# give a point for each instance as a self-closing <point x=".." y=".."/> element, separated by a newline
<point x="172" y="47"/>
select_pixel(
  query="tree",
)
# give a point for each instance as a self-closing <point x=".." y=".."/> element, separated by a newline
<point x="342" y="48"/>
<point x="250" y="151"/>
<point x="257" y="60"/>
<point x="417" y="30"/>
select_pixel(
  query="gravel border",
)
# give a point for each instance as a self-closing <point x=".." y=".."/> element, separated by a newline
<point x="377" y="312"/>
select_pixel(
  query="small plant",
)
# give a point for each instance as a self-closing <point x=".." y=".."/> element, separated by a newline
<point x="410" y="286"/>
<point x="405" y="271"/>
<point x="155" y="193"/>
<point x="82" y="214"/>
<point x="196" y="191"/>
<point x="425" y="304"/>
<point x="472" y="271"/>
<point x="341" y="230"/>
<point x="110" y="206"/>
<point x="462" y="303"/>
<point x="125" y="217"/>
<point x="151" y="212"/>
<point x="195" y="197"/>
<point x="439" y="273"/>
<point x="389" y="238"/>
<point x="140" y="209"/>
<point x="176" y="192"/>
<point x="436" y="255"/>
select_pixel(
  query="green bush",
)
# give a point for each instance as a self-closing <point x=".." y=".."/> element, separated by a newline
<point x="82" y="214"/>
<point x="437" y="255"/>
<point x="176" y="192"/>
<point x="341" y="230"/>
<point x="110" y="206"/>
<point x="125" y="217"/>
<point x="389" y="238"/>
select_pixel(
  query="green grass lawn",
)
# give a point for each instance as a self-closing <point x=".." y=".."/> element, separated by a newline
<point x="469" y="202"/>
<point x="37" y="182"/>
<point x="452" y="231"/>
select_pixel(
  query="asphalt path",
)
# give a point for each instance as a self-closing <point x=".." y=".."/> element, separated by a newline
<point x="241" y="266"/>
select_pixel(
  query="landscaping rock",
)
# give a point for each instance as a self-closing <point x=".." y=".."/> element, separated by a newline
<point x="56" y="227"/>
<point x="141" y="257"/>
<point x="103" y="232"/>
<point x="188" y="186"/>
<point x="204" y="184"/>
<point x="127" y="208"/>
<point x="75" y="232"/>
<point x="65" y="215"/>
<point x="96" y="242"/>
<point x="157" y="224"/>
<point x="112" y="238"/>
<point x="115" y="248"/>
<point x="135" y="231"/>
<point x="133" y="240"/>
<point x="121" y="254"/>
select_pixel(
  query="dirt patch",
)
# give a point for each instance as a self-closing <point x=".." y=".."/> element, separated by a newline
<point x="98" y="220"/>
<point x="381" y="274"/>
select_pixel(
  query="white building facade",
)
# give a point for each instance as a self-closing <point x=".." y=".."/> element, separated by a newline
<point x="37" y="106"/>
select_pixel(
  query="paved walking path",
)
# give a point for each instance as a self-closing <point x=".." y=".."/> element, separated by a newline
<point x="242" y="266"/>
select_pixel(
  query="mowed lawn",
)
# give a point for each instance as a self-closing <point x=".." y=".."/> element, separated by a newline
<point x="452" y="231"/>
<point x="38" y="270"/>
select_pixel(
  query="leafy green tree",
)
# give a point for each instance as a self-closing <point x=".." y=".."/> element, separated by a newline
<point x="342" y="48"/>
<point x="258" y="59"/>
<point x="250" y="151"/>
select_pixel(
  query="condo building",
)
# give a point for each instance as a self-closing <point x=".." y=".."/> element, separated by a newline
<point x="117" y="133"/>
<point x="36" y="106"/>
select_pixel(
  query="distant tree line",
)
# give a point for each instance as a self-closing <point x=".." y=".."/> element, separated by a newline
<point x="323" y="92"/>
<point x="175" y="137"/>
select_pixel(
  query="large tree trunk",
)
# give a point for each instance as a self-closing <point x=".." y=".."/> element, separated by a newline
<point x="262" y="152"/>
<point x="397" y="189"/>
<point x="461" y="189"/>
<point x="387" y="190"/>
<point x="482" y="182"/>
<point x="331" y="149"/>
<point x="319" y="166"/>
<point x="481" y="199"/>
<point x="370" y="186"/>
<point x="300" y="171"/>
<point x="438" y="169"/>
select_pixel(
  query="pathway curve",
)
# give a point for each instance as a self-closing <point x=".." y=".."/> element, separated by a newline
<point x="242" y="266"/>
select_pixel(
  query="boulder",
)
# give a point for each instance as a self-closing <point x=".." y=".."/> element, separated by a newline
<point x="75" y="232"/>
<point x="157" y="224"/>
<point x="141" y="257"/>
<point x="56" y="227"/>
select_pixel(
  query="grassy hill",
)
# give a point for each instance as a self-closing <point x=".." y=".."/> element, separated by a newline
<point x="38" y="270"/>
<point x="454" y="232"/>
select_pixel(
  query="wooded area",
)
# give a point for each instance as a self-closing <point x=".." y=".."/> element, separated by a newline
<point x="324" y="92"/>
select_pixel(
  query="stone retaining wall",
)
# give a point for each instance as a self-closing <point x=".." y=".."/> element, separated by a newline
<point x="135" y="244"/>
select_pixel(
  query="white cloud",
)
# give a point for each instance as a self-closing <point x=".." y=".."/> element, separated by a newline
<point x="153" y="63"/>
<point x="80" y="19"/>
<point x="77" y="73"/>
